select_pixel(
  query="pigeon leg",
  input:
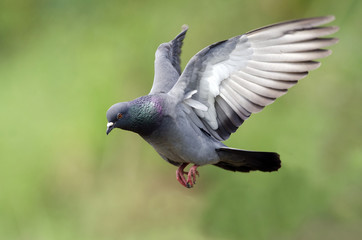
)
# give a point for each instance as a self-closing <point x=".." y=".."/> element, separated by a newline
<point x="180" y="175"/>
<point x="191" y="176"/>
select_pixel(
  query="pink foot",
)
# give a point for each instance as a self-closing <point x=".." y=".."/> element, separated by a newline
<point x="180" y="174"/>
<point x="191" y="176"/>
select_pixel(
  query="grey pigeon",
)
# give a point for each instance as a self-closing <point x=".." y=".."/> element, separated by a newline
<point x="188" y="114"/>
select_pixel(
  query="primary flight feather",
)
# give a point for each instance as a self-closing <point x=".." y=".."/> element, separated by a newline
<point x="187" y="114"/>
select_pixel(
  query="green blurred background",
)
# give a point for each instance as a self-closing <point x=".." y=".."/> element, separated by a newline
<point x="63" y="63"/>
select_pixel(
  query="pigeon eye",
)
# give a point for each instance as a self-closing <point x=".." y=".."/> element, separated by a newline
<point x="119" y="115"/>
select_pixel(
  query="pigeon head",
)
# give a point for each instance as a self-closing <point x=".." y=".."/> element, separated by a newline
<point x="142" y="115"/>
<point x="117" y="116"/>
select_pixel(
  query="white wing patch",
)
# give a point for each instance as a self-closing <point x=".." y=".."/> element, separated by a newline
<point x="193" y="103"/>
<point x="214" y="75"/>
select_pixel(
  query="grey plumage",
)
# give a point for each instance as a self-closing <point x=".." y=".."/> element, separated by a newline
<point x="167" y="64"/>
<point x="187" y="114"/>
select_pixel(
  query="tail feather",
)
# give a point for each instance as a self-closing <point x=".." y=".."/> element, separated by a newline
<point x="246" y="161"/>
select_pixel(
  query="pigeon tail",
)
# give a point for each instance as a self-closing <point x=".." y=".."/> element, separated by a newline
<point x="246" y="161"/>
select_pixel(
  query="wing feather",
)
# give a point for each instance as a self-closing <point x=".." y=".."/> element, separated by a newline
<point x="234" y="78"/>
<point x="296" y="36"/>
<point x="292" y="57"/>
<point x="229" y="111"/>
<point x="297" y="47"/>
<point x="250" y="95"/>
<point x="167" y="64"/>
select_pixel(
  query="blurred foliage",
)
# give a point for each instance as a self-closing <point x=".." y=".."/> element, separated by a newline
<point x="63" y="63"/>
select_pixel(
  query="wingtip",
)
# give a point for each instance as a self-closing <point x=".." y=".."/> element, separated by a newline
<point x="331" y="17"/>
<point x="181" y="35"/>
<point x="327" y="19"/>
<point x="321" y="20"/>
<point x="316" y="65"/>
<point x="335" y="28"/>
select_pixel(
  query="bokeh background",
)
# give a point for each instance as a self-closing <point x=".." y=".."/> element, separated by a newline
<point x="64" y="62"/>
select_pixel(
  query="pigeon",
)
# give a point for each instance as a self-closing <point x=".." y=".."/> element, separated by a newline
<point x="188" y="114"/>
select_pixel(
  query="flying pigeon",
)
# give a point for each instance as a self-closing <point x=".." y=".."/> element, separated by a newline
<point x="188" y="114"/>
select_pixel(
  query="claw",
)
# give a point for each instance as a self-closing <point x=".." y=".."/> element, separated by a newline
<point x="191" y="175"/>
<point x="180" y="175"/>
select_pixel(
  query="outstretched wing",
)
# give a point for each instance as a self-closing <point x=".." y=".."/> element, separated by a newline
<point x="227" y="81"/>
<point x="167" y="64"/>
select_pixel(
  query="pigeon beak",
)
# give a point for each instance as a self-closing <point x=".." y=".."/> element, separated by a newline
<point x="109" y="127"/>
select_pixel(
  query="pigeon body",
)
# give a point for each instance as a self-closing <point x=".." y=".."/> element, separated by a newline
<point x="178" y="140"/>
<point x="188" y="114"/>
<point x="165" y="124"/>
